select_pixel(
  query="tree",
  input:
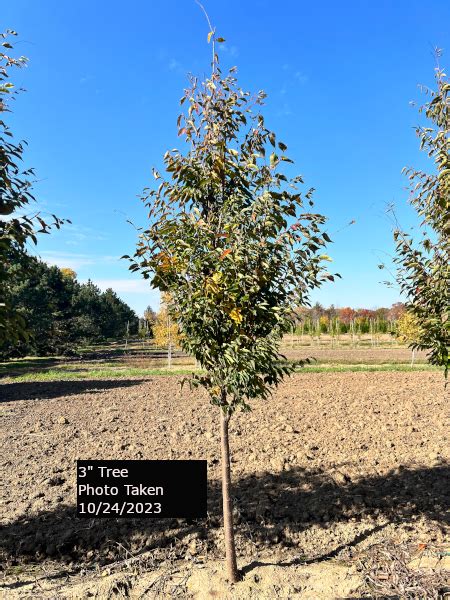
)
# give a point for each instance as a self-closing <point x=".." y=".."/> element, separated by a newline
<point x="165" y="329"/>
<point x="150" y="319"/>
<point x="346" y="315"/>
<point x="114" y="315"/>
<point x="60" y="313"/>
<point x="396" y="311"/>
<point x="16" y="228"/>
<point x="230" y="238"/>
<point x="408" y="331"/>
<point x="150" y="316"/>
<point x="68" y="273"/>
<point x="42" y="297"/>
<point x="423" y="271"/>
<point x="316" y="311"/>
<point x="324" y="323"/>
<point x="88" y="311"/>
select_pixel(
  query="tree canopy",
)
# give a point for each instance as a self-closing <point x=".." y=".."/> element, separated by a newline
<point x="424" y="262"/>
<point x="17" y="226"/>
<point x="232" y="239"/>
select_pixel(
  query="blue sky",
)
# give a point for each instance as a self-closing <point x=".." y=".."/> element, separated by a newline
<point x="103" y="86"/>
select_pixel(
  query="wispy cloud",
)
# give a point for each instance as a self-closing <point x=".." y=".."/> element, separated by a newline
<point x="168" y="61"/>
<point x="174" y="64"/>
<point x="291" y="78"/>
<point x="75" y="260"/>
<point x="74" y="235"/>
<point x="67" y="259"/>
<point x="301" y="77"/>
<point x="284" y="110"/>
<point x="233" y="51"/>
<point x="129" y="286"/>
<point x="137" y="293"/>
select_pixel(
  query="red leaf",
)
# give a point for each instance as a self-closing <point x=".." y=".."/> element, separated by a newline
<point x="224" y="253"/>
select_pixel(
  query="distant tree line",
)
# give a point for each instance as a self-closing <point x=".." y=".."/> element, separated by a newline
<point x="332" y="320"/>
<point x="313" y="320"/>
<point x="61" y="313"/>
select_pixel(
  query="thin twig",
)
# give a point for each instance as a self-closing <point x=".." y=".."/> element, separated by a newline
<point x="213" y="31"/>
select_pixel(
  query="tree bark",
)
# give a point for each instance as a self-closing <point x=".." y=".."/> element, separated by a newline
<point x="230" y="550"/>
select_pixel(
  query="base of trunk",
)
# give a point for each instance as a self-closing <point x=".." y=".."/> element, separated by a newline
<point x="230" y="549"/>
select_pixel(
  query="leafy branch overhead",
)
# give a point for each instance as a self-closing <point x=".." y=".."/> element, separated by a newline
<point x="16" y="227"/>
<point x="232" y="239"/>
<point x="423" y="265"/>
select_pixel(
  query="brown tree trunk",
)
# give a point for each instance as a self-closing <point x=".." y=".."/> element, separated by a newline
<point x="230" y="550"/>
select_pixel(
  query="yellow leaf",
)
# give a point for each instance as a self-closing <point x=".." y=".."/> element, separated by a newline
<point x="212" y="283"/>
<point x="236" y="315"/>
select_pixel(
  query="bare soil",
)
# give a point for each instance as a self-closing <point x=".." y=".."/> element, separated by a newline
<point x="332" y="465"/>
<point x="345" y="355"/>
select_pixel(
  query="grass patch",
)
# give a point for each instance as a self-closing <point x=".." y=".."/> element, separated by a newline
<point x="78" y="374"/>
<point x="353" y="361"/>
<point x="343" y="368"/>
<point x="67" y="372"/>
<point x="21" y="364"/>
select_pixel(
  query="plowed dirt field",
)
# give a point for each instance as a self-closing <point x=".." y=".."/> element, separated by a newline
<point x="331" y="465"/>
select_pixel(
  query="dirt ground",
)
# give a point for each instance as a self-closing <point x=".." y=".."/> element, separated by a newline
<point x="342" y="355"/>
<point x="332" y="465"/>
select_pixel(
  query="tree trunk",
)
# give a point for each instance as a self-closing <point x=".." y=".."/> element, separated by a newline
<point x="230" y="550"/>
<point x="169" y="345"/>
<point x="413" y="356"/>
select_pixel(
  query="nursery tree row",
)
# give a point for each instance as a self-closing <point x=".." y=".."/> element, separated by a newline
<point x="332" y="320"/>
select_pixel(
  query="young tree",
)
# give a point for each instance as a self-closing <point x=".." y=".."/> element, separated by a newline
<point x="396" y="311"/>
<point x="423" y="264"/>
<point x="165" y="329"/>
<point x="149" y="316"/>
<point x="408" y="331"/>
<point x="16" y="228"/>
<point x="231" y="239"/>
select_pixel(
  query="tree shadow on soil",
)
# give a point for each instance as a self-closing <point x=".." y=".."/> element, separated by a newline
<point x="46" y="390"/>
<point x="270" y="508"/>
